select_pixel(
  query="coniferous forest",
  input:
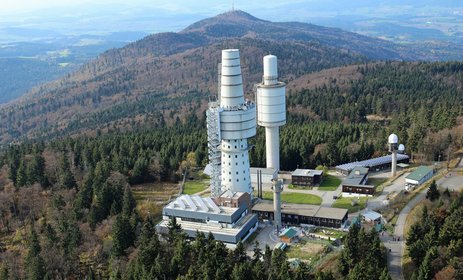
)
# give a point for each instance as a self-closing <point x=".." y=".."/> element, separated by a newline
<point x="67" y="209"/>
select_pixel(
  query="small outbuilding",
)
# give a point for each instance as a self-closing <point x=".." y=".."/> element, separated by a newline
<point x="306" y="177"/>
<point x="419" y="176"/>
<point x="288" y="235"/>
<point x="372" y="216"/>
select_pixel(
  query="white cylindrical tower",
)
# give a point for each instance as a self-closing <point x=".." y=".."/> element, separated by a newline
<point x="271" y="109"/>
<point x="393" y="141"/>
<point x="237" y="124"/>
<point x="277" y="186"/>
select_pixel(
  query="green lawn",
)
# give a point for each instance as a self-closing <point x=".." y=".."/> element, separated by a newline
<point x="294" y="187"/>
<point x="298" y="198"/>
<point x="192" y="187"/>
<point x="376" y="181"/>
<point x="329" y="183"/>
<point x="346" y="203"/>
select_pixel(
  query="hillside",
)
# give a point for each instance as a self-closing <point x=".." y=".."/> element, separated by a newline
<point x="167" y="73"/>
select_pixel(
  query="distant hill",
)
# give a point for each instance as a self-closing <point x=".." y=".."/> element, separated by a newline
<point x="165" y="75"/>
<point x="47" y="56"/>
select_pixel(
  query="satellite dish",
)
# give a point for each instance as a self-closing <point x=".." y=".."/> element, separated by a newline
<point x="393" y="139"/>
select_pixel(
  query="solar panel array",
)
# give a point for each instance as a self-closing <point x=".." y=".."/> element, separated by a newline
<point x="371" y="162"/>
<point x="195" y="203"/>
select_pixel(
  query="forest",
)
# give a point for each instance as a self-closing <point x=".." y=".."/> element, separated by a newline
<point x="435" y="240"/>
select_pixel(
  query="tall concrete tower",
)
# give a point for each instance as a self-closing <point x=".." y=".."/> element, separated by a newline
<point x="393" y="142"/>
<point x="277" y="185"/>
<point x="230" y="122"/>
<point x="271" y="109"/>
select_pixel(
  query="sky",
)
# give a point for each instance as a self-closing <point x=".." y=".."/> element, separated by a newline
<point x="77" y="16"/>
<point x="9" y="7"/>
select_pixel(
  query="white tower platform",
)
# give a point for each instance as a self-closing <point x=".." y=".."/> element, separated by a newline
<point x="271" y="109"/>
<point x="232" y="122"/>
<point x="393" y="141"/>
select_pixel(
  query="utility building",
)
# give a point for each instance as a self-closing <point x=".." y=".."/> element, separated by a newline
<point x="419" y="176"/>
<point x="374" y="164"/>
<point x="355" y="183"/>
<point x="297" y="214"/>
<point x="227" y="217"/>
<point x="306" y="177"/>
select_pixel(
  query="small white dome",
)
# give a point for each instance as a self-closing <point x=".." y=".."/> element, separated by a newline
<point x="393" y="139"/>
<point x="401" y="147"/>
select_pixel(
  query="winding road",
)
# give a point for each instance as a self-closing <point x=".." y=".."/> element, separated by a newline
<point x="397" y="248"/>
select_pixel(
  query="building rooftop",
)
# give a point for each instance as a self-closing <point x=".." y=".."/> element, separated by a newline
<point x="419" y="173"/>
<point x="371" y="215"/>
<point x="289" y="233"/>
<point x="307" y="210"/>
<point x="371" y="162"/>
<point x="213" y="228"/>
<point x="195" y="203"/>
<point x="230" y="194"/>
<point x="265" y="171"/>
<point x="356" y="176"/>
<point x="307" y="172"/>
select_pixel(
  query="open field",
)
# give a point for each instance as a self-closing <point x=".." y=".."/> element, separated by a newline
<point x="192" y="187"/>
<point x="329" y="183"/>
<point x="376" y="181"/>
<point x="346" y="203"/>
<point x="330" y="233"/>
<point x="298" y="198"/>
<point x="152" y="197"/>
<point x="305" y="250"/>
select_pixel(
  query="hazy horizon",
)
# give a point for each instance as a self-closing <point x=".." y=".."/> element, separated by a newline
<point x="81" y="16"/>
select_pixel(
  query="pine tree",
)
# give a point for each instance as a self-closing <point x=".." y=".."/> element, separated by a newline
<point x="34" y="264"/>
<point x="425" y="271"/>
<point x="122" y="235"/>
<point x="257" y="252"/>
<point x="36" y="170"/>
<point x="21" y="176"/>
<point x="4" y="272"/>
<point x="66" y="179"/>
<point x="432" y="193"/>
<point x="385" y="275"/>
<point x="128" y="202"/>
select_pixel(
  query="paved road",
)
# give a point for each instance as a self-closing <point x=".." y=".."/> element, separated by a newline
<point x="381" y="201"/>
<point x="453" y="182"/>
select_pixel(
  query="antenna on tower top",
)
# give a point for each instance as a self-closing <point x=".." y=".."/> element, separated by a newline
<point x="233" y="5"/>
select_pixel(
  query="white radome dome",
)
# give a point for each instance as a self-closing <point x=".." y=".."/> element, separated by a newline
<point x="393" y="139"/>
<point x="401" y="147"/>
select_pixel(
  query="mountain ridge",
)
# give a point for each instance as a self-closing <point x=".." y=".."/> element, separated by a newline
<point x="180" y="69"/>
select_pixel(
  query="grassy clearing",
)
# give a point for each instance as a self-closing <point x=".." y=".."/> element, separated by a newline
<point x="192" y="187"/>
<point x="330" y="233"/>
<point x="346" y="203"/>
<point x="151" y="197"/>
<point x="329" y="183"/>
<point x="376" y="181"/>
<point x="294" y="187"/>
<point x="305" y="250"/>
<point x="298" y="198"/>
